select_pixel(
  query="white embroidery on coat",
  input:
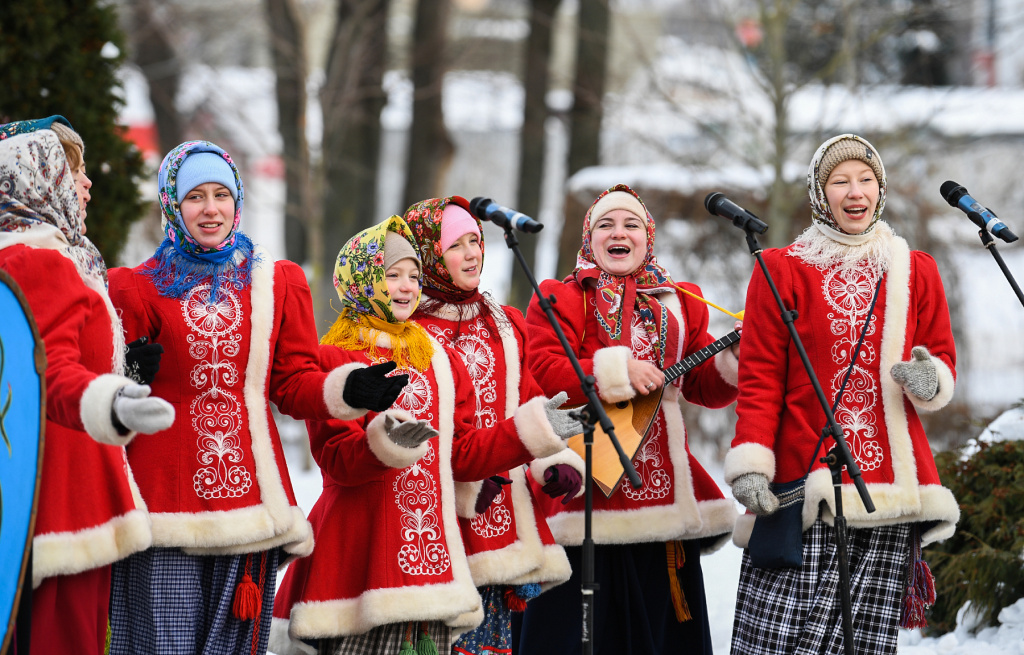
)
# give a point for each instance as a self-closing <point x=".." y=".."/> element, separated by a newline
<point x="849" y="292"/>
<point x="216" y="413"/>
<point x="650" y="466"/>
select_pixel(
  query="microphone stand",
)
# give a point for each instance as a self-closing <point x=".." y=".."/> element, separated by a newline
<point x="839" y="456"/>
<point x="989" y="242"/>
<point x="592" y="412"/>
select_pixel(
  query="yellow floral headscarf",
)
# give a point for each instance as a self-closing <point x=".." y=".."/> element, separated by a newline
<point x="366" y="304"/>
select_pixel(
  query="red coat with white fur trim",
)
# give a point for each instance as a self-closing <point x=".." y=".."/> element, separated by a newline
<point x="388" y="547"/>
<point x="679" y="500"/>
<point x="90" y="513"/>
<point x="510" y="543"/>
<point x="216" y="482"/>
<point x="779" y="415"/>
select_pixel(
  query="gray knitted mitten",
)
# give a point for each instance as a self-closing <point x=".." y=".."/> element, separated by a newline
<point x="918" y="376"/>
<point x="408" y="434"/>
<point x="753" y="492"/>
<point x="563" y="425"/>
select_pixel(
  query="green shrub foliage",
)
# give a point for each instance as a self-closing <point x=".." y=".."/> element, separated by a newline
<point x="982" y="562"/>
<point x="52" y="61"/>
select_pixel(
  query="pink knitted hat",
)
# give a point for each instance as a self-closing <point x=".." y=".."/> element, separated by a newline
<point x="456" y="221"/>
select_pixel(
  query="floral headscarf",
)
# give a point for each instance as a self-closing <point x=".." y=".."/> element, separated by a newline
<point x="621" y="298"/>
<point x="366" y="303"/>
<point x="8" y="130"/>
<point x="181" y="260"/>
<point x="38" y="202"/>
<point x="424" y="219"/>
<point x="821" y="212"/>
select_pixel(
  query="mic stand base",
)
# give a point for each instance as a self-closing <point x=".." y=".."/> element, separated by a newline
<point x="842" y="556"/>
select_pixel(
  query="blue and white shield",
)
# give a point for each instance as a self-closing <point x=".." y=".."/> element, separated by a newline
<point x="22" y="420"/>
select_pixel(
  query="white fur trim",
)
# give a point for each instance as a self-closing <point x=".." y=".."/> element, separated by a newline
<point x="281" y="643"/>
<point x="741" y="533"/>
<point x="465" y="498"/>
<point x="567" y="456"/>
<point x="943" y="394"/>
<point x="95" y="409"/>
<point x="334" y="388"/>
<point x="521" y="556"/>
<point x="685" y="518"/>
<point x="510" y="349"/>
<point x="386" y="450"/>
<point x="612" y="375"/>
<point x="728" y="365"/>
<point x="749" y="458"/>
<point x="534" y="430"/>
<point x="68" y="553"/>
<point x="555" y="570"/>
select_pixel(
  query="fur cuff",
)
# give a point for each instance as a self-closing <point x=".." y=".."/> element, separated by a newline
<point x="334" y="388"/>
<point x="749" y="458"/>
<point x="95" y="409"/>
<point x="534" y="430"/>
<point x="944" y="393"/>
<point x="465" y="498"/>
<point x="611" y="374"/>
<point x="386" y="450"/>
<point x="567" y="456"/>
<point x="728" y="365"/>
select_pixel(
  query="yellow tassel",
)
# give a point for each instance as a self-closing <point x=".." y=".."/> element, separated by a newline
<point x="676" y="558"/>
<point x="410" y="344"/>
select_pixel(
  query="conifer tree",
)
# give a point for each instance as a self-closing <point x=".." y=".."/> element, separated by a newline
<point x="60" y="57"/>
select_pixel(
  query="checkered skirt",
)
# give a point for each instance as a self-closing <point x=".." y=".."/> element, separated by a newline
<point x="387" y="639"/>
<point x="798" y="611"/>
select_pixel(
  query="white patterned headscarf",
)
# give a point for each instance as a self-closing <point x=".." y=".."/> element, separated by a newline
<point x="829" y="155"/>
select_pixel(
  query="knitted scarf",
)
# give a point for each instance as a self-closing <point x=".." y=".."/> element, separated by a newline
<point x="622" y="300"/>
<point x="181" y="262"/>
<point x="366" y="304"/>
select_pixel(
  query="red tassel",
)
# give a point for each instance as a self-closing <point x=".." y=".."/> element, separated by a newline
<point x="924" y="582"/>
<point x="513" y="601"/>
<point x="248" y="602"/>
<point x="912" y="614"/>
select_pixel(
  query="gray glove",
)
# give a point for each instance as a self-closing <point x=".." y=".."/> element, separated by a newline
<point x="564" y="425"/>
<point x="753" y="492"/>
<point x="918" y="376"/>
<point x="408" y="434"/>
<point x="134" y="410"/>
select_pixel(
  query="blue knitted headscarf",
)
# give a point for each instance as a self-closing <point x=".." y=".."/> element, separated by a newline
<point x="181" y="262"/>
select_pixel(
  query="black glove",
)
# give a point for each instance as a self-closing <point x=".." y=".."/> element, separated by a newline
<point x="142" y="360"/>
<point x="370" y="388"/>
<point x="489" y="491"/>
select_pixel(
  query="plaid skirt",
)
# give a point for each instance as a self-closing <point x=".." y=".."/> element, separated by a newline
<point x="387" y="639"/>
<point x="164" y="602"/>
<point x="798" y="611"/>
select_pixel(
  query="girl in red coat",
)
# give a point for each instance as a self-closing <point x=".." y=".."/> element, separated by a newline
<point x="626" y="321"/>
<point x="89" y="512"/>
<point x="237" y="329"/>
<point x="831" y="274"/>
<point x="389" y="570"/>
<point x="507" y="539"/>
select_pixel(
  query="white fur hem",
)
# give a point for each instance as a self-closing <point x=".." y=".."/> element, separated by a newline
<point x="386" y="450"/>
<point x="244" y="530"/>
<point x="612" y="375"/>
<point x="334" y="388"/>
<point x="281" y="643"/>
<point x="465" y="498"/>
<point x="942" y="395"/>
<point x="95" y="409"/>
<point x="713" y="518"/>
<point x="68" y="553"/>
<point x="534" y="430"/>
<point x="749" y="458"/>
<point x="728" y="365"/>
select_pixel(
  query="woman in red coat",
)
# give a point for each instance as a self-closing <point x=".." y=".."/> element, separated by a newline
<point x="507" y="539"/>
<point x="89" y="513"/>
<point x="830" y="275"/>
<point x="238" y="333"/>
<point x="627" y="321"/>
<point x="389" y="566"/>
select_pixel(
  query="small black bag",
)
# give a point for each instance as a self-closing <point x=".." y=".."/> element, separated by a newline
<point x="776" y="541"/>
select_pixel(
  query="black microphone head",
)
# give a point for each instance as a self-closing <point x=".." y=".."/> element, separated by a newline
<point x="711" y="201"/>
<point x="478" y="207"/>
<point x="952" y="192"/>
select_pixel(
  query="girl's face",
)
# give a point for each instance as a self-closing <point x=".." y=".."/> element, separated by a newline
<point x="619" y="242"/>
<point x="403" y="278"/>
<point x="852" y="193"/>
<point x="209" y="213"/>
<point x="463" y="260"/>
<point x="82" y="186"/>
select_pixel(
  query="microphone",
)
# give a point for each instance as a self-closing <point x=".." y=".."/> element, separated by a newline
<point x="716" y="203"/>
<point x="487" y="210"/>
<point x="983" y="217"/>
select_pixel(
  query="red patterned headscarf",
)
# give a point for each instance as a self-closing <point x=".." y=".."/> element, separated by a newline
<point x="625" y="300"/>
